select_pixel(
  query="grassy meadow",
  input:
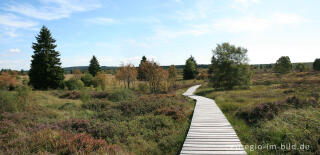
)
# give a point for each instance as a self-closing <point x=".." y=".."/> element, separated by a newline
<point x="275" y="110"/>
<point x="95" y="121"/>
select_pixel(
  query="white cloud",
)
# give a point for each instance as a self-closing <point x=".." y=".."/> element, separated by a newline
<point x="135" y="60"/>
<point x="101" y="20"/>
<point x="166" y="33"/>
<point x="256" y="24"/>
<point x="52" y="9"/>
<point x="267" y="49"/>
<point x="15" y="64"/>
<point x="15" y="50"/>
<point x="132" y="60"/>
<point x="10" y="20"/>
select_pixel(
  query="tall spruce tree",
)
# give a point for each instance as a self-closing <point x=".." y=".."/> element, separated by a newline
<point x="141" y="72"/>
<point x="94" y="66"/>
<point x="190" y="70"/>
<point x="45" y="71"/>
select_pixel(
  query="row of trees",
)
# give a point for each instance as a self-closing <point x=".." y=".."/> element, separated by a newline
<point x="229" y="67"/>
<point x="284" y="65"/>
<point x="158" y="78"/>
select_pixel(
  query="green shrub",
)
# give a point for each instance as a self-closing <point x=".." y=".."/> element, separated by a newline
<point x="262" y="111"/>
<point x="283" y="65"/>
<point x="71" y="95"/>
<point x="85" y="97"/>
<point x="67" y="106"/>
<point x="73" y="84"/>
<point x="143" y="88"/>
<point x="61" y="142"/>
<point x="96" y="105"/>
<point x="121" y="95"/>
<point x="13" y="102"/>
<point x="163" y="87"/>
<point x="23" y="96"/>
<point x="300" y="67"/>
<point x="7" y="101"/>
<point x="316" y="65"/>
<point x="87" y="79"/>
<point x="111" y="114"/>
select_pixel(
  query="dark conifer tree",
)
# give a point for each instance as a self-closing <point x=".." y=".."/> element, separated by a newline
<point x="316" y="65"/>
<point x="94" y="66"/>
<point x="45" y="71"/>
<point x="141" y="72"/>
<point x="190" y="69"/>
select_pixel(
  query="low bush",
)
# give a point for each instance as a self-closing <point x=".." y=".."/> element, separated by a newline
<point x="71" y="95"/>
<point x="73" y="84"/>
<point x="67" y="106"/>
<point x="100" y="81"/>
<point x="260" y="111"/>
<point x="61" y="142"/>
<point x="87" y="79"/>
<point x="15" y="101"/>
<point x="8" y="81"/>
<point x="23" y="96"/>
<point x="111" y="114"/>
<point x="121" y="95"/>
<point x="7" y="101"/>
<point x="163" y="87"/>
<point x="100" y="95"/>
<point x="85" y="97"/>
<point x="139" y="107"/>
<point x="173" y="112"/>
<point x="96" y="105"/>
<point x="143" y="88"/>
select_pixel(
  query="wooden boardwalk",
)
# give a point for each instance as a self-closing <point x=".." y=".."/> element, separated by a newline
<point x="210" y="132"/>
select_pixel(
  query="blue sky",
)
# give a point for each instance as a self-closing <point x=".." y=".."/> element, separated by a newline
<point x="168" y="31"/>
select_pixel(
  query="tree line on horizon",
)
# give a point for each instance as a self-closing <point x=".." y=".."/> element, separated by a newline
<point x="229" y="68"/>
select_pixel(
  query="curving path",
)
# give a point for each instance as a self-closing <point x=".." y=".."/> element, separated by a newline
<point x="210" y="132"/>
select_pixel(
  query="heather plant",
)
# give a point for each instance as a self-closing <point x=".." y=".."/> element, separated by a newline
<point x="121" y="95"/>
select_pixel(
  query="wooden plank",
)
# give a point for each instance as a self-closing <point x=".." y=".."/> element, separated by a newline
<point x="214" y="152"/>
<point x="210" y="132"/>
